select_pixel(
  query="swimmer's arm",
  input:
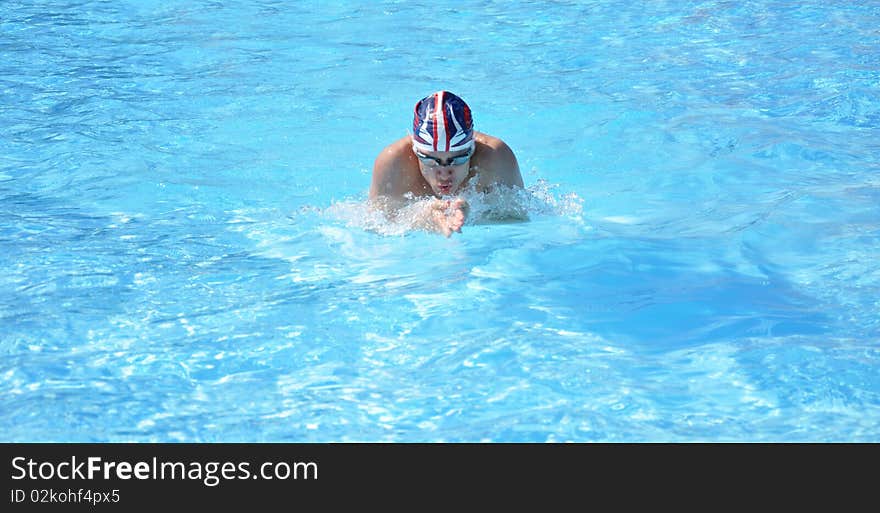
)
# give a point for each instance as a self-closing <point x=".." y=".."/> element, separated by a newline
<point x="501" y="187"/>
<point x="389" y="185"/>
<point x="391" y="192"/>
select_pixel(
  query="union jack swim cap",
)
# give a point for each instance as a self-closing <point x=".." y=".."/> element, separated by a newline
<point x="442" y="122"/>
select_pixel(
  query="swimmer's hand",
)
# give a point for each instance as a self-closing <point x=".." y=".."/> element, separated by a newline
<point x="448" y="216"/>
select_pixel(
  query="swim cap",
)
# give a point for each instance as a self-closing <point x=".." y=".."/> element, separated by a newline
<point x="442" y="122"/>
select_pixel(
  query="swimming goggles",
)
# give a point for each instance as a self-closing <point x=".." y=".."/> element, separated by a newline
<point x="452" y="161"/>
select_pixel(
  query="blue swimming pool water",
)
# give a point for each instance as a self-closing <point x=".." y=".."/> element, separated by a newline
<point x="185" y="254"/>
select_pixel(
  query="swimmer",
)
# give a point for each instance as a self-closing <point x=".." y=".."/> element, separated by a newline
<point x="444" y="156"/>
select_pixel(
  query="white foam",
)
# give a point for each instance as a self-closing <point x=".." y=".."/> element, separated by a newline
<point x="501" y="205"/>
<point x="622" y="219"/>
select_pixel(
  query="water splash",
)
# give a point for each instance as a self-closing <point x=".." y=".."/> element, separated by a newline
<point x="503" y="204"/>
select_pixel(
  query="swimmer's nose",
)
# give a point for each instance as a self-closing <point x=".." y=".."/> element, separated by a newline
<point x="445" y="171"/>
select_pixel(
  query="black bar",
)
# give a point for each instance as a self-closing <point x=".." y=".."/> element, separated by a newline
<point x="242" y="476"/>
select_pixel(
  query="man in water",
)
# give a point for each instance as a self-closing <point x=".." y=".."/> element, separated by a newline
<point x="443" y="157"/>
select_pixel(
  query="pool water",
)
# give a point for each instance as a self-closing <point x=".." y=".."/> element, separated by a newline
<point x="186" y="255"/>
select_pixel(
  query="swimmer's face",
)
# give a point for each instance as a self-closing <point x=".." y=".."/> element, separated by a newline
<point x="444" y="170"/>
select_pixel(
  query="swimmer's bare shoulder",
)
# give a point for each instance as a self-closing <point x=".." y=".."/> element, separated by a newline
<point x="494" y="163"/>
<point x="396" y="173"/>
